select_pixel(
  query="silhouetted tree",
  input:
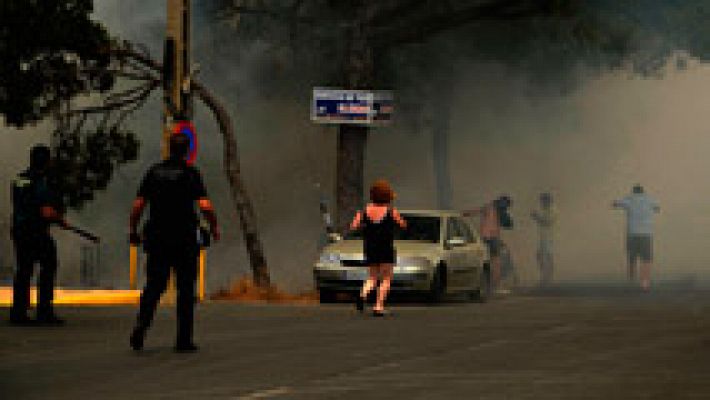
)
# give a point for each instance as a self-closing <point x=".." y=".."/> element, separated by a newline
<point x="59" y="63"/>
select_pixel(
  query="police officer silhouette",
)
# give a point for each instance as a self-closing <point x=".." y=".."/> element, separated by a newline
<point x="172" y="188"/>
<point x="34" y="211"/>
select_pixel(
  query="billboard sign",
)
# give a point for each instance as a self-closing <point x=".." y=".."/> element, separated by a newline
<point x="341" y="106"/>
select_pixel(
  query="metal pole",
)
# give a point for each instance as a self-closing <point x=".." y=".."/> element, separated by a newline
<point x="133" y="271"/>
<point x="203" y="253"/>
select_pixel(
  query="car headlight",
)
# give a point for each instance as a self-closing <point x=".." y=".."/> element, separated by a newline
<point x="412" y="264"/>
<point x="329" y="258"/>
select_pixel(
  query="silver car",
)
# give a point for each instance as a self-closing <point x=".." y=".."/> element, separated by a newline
<point x="437" y="254"/>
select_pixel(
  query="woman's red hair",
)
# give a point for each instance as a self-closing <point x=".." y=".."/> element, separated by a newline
<point x="381" y="192"/>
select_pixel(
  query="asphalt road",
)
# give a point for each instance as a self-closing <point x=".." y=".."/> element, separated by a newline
<point x="571" y="342"/>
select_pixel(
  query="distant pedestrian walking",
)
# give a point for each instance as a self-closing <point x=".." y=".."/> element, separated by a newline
<point x="494" y="215"/>
<point x="640" y="209"/>
<point x="172" y="188"/>
<point x="35" y="209"/>
<point x="545" y="218"/>
<point x="378" y="223"/>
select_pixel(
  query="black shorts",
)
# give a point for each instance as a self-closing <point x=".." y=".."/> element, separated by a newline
<point x="639" y="246"/>
<point x="493" y="246"/>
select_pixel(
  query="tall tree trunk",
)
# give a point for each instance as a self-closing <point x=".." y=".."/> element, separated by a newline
<point x="352" y="139"/>
<point x="350" y="172"/>
<point x="243" y="203"/>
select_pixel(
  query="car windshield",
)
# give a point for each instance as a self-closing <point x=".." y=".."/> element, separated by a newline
<point x="419" y="227"/>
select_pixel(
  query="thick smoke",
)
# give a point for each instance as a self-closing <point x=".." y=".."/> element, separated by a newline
<point x="507" y="134"/>
<point x="587" y="147"/>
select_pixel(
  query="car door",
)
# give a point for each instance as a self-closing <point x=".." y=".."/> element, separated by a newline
<point x="455" y="247"/>
<point x="473" y="253"/>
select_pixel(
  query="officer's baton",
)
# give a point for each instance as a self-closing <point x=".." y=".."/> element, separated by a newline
<point x="85" y="234"/>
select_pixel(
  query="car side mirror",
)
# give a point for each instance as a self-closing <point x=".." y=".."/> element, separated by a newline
<point x="456" y="242"/>
<point x="334" y="237"/>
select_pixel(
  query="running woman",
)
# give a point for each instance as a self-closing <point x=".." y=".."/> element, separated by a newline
<point x="378" y="223"/>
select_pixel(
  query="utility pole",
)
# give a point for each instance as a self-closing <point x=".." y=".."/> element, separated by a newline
<point x="177" y="101"/>
<point x="176" y="84"/>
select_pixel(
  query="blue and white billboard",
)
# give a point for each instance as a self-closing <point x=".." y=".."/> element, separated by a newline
<point x="340" y="106"/>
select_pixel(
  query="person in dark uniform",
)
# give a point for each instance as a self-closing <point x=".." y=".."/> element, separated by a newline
<point x="34" y="211"/>
<point x="378" y="223"/>
<point x="172" y="188"/>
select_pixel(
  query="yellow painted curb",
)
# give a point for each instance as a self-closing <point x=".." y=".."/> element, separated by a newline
<point x="80" y="296"/>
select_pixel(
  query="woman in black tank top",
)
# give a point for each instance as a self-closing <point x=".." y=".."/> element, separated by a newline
<point x="378" y="239"/>
<point x="378" y="222"/>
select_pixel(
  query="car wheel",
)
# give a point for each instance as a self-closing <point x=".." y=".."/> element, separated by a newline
<point x="483" y="293"/>
<point x="327" y="296"/>
<point x="438" y="285"/>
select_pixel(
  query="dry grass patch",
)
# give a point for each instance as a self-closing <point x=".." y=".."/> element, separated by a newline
<point x="244" y="290"/>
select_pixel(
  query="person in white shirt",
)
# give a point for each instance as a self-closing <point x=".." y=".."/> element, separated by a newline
<point x="640" y="211"/>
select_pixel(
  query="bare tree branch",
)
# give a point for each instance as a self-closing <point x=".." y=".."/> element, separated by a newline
<point x="136" y="76"/>
<point x="114" y="105"/>
<point x="125" y="52"/>
<point x="136" y="66"/>
<point x="126" y="94"/>
<point x="139" y="102"/>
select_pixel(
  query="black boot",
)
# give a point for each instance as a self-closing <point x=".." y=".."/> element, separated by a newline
<point x="137" y="339"/>
<point x="19" y="319"/>
<point x="187" y="347"/>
